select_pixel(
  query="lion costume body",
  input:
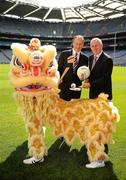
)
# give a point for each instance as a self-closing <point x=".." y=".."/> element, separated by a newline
<point x="35" y="78"/>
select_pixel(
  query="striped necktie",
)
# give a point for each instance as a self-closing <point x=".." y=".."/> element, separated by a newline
<point x="94" y="61"/>
<point x="75" y="63"/>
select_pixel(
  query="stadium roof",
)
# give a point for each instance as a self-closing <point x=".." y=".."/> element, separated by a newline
<point x="65" y="11"/>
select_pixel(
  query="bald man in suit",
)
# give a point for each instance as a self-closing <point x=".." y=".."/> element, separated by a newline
<point x="71" y="59"/>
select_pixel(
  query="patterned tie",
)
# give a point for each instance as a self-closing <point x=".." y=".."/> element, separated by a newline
<point x="94" y="61"/>
<point x="75" y="63"/>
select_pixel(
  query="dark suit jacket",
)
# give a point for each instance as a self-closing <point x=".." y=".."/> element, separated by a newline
<point x="70" y="77"/>
<point x="100" y="77"/>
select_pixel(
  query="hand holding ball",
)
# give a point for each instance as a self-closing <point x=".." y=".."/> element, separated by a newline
<point x="83" y="73"/>
<point x="73" y="85"/>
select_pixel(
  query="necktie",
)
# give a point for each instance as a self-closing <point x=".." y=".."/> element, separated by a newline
<point x="94" y="61"/>
<point x="75" y="63"/>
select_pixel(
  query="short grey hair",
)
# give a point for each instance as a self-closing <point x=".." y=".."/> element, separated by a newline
<point x="97" y="39"/>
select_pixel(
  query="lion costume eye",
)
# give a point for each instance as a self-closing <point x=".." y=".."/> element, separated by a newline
<point x="16" y="62"/>
<point x="51" y="64"/>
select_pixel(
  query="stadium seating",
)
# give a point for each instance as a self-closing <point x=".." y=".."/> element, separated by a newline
<point x="27" y="27"/>
<point x="60" y="35"/>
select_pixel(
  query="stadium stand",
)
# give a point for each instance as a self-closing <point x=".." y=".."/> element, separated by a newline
<point x="113" y="34"/>
<point x="46" y="29"/>
<point x="5" y="56"/>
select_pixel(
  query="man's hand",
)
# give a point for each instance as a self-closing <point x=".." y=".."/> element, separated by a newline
<point x="86" y="85"/>
<point x="70" y="59"/>
<point x="60" y="81"/>
<point x="86" y="80"/>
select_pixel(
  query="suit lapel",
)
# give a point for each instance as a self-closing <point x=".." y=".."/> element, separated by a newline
<point x="69" y="53"/>
<point x="79" y="60"/>
<point x="90" y="62"/>
<point x="97" y="62"/>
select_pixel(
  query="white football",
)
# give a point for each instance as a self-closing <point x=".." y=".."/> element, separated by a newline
<point x="83" y="72"/>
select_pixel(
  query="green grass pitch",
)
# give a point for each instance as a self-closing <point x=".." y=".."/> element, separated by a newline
<point x="63" y="162"/>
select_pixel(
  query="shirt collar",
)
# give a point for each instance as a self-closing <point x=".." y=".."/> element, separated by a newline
<point x="98" y="55"/>
<point x="74" y="52"/>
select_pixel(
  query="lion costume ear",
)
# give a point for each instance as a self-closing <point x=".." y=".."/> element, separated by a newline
<point x="20" y="51"/>
<point x="49" y="53"/>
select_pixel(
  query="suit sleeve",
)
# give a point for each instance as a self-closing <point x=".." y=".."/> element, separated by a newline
<point x="86" y="61"/>
<point x="107" y="71"/>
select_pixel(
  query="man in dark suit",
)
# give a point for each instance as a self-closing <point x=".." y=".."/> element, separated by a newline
<point x="71" y="60"/>
<point x="101" y="66"/>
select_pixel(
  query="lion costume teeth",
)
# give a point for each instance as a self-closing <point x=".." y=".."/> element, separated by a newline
<point x="36" y="93"/>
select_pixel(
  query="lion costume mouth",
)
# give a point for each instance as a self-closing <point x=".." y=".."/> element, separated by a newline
<point x="33" y="87"/>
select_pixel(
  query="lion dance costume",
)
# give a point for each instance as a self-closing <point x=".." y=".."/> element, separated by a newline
<point x="35" y="78"/>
